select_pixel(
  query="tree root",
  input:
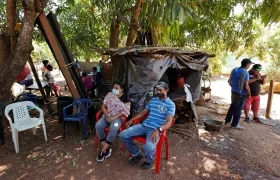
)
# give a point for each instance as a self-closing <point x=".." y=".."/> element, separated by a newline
<point x="186" y="134"/>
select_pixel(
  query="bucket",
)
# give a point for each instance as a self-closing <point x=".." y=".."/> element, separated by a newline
<point x="180" y="82"/>
<point x="31" y="97"/>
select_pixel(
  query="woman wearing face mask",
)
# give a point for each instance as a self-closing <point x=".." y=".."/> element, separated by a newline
<point x="114" y="107"/>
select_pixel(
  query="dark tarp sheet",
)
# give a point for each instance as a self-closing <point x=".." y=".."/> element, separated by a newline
<point x="144" y="71"/>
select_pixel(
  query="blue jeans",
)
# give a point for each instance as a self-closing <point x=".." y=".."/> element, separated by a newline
<point x="114" y="127"/>
<point x="139" y="130"/>
<point x="235" y="109"/>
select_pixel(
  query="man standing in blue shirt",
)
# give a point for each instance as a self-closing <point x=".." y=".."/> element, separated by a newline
<point x="240" y="90"/>
<point x="161" y="112"/>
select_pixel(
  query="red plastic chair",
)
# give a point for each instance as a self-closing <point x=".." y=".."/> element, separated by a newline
<point x="107" y="129"/>
<point x="163" y="138"/>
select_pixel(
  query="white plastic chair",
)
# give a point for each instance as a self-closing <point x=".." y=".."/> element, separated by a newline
<point x="23" y="121"/>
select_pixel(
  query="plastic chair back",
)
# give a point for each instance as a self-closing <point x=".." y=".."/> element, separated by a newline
<point x="20" y="110"/>
<point x="82" y="105"/>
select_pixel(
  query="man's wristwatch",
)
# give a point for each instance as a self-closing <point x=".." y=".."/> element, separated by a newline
<point x="159" y="129"/>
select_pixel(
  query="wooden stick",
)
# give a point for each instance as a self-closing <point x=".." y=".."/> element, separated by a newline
<point x="181" y="133"/>
<point x="269" y="100"/>
<point x="58" y="54"/>
<point x="37" y="79"/>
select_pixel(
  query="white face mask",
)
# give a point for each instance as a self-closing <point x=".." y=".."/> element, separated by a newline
<point x="116" y="92"/>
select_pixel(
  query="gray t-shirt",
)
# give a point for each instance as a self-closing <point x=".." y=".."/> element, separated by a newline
<point x="48" y="76"/>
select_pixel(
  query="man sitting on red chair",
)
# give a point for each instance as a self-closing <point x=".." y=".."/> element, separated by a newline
<point x="161" y="111"/>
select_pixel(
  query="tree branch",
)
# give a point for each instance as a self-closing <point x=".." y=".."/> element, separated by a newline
<point x="11" y="17"/>
<point x="23" y="49"/>
<point x="133" y="22"/>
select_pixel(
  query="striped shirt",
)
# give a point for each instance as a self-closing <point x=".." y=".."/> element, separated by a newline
<point x="159" y="109"/>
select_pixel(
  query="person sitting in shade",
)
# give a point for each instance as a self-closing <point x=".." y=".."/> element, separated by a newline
<point x="115" y="105"/>
<point x="161" y="112"/>
<point x="87" y="82"/>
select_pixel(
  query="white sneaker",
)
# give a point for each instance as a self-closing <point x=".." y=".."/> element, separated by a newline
<point x="238" y="127"/>
<point x="108" y="153"/>
<point x="227" y="124"/>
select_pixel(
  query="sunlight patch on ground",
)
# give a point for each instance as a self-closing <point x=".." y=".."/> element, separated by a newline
<point x="203" y="134"/>
<point x="22" y="176"/>
<point x="59" y="176"/>
<point x="90" y="171"/>
<point x="209" y="164"/>
<point x="57" y="137"/>
<point x="4" y="168"/>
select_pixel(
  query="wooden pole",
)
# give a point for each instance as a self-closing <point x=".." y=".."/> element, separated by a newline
<point x="58" y="54"/>
<point x="269" y="100"/>
<point x="37" y="79"/>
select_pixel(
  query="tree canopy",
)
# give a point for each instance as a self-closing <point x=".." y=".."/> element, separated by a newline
<point x="208" y="25"/>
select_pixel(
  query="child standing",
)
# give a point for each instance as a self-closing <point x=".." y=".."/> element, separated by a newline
<point x="50" y="80"/>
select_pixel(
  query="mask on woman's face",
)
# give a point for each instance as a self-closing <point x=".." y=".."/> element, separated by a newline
<point x="116" y="91"/>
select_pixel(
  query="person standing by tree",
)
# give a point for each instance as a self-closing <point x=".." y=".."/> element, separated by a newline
<point x="240" y="89"/>
<point x="43" y="69"/>
<point x="97" y="80"/>
<point x="50" y="80"/>
<point x="256" y="79"/>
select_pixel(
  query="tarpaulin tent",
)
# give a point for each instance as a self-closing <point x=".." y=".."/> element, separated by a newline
<point x="142" y="67"/>
<point x="23" y="74"/>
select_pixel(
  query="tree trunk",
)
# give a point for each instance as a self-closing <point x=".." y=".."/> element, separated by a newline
<point x="133" y="22"/>
<point x="154" y="36"/>
<point x="11" y="17"/>
<point x="23" y="48"/>
<point x="5" y="49"/>
<point x="114" y="33"/>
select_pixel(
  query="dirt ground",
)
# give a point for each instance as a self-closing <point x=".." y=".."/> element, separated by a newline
<point x="252" y="153"/>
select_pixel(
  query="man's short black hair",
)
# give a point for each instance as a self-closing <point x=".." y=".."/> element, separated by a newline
<point x="45" y="62"/>
<point x="49" y="66"/>
<point x="94" y="68"/>
<point x="84" y="74"/>
<point x="245" y="62"/>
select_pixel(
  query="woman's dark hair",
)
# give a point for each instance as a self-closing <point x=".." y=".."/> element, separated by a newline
<point x="120" y="84"/>
<point x="84" y="74"/>
<point x="94" y="68"/>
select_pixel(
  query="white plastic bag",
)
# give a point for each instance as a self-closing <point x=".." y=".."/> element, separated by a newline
<point x="188" y="93"/>
<point x="17" y="89"/>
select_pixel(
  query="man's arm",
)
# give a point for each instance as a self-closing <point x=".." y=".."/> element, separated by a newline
<point x="168" y="123"/>
<point x="229" y="82"/>
<point x="252" y="80"/>
<point x="263" y="79"/>
<point x="247" y="88"/>
<point x="140" y="114"/>
<point x="230" y="77"/>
